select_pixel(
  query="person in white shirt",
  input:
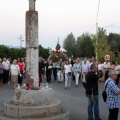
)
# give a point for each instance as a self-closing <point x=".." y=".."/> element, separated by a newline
<point x="68" y="74"/>
<point x="85" y="68"/>
<point x="100" y="69"/>
<point x="6" y="67"/>
<point x="15" y="71"/>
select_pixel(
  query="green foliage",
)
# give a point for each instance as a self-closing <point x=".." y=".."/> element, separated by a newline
<point x="14" y="53"/>
<point x="85" y="46"/>
<point x="43" y="52"/>
<point x="69" y="44"/>
<point x="113" y="40"/>
<point x="101" y="46"/>
<point x="118" y="57"/>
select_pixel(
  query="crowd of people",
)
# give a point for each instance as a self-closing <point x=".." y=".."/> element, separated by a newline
<point x="88" y="71"/>
<point x="12" y="71"/>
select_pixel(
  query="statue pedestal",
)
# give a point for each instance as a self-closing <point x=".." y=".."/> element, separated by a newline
<point x="34" y="105"/>
<point x="33" y="97"/>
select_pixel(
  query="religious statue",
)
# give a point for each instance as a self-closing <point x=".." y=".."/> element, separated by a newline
<point x="57" y="47"/>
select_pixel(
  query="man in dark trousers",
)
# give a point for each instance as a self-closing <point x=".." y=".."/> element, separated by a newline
<point x="41" y="69"/>
<point x="91" y="87"/>
<point x="113" y="93"/>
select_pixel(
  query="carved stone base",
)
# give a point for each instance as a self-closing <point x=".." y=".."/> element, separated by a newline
<point x="64" y="115"/>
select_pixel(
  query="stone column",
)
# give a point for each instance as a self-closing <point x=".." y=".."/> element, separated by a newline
<point x="32" y="45"/>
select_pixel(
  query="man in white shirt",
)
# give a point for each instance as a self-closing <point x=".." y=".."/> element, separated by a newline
<point x="84" y="68"/>
<point x="6" y="67"/>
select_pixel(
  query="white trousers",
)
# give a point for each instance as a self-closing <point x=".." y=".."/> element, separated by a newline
<point x="60" y="77"/>
<point x="83" y="77"/>
<point x="76" y="77"/>
<point x="68" y="80"/>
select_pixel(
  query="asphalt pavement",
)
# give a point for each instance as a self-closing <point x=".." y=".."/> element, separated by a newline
<point x="73" y="99"/>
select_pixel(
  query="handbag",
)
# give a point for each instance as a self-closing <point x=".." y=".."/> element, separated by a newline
<point x="104" y="94"/>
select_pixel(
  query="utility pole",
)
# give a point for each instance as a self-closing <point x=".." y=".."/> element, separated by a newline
<point x="96" y="40"/>
<point x="21" y="40"/>
<point x="97" y="31"/>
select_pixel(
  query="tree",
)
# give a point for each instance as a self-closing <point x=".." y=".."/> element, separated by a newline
<point x="15" y="53"/>
<point x="85" y="46"/>
<point x="102" y="46"/>
<point x="113" y="40"/>
<point x="43" y="52"/>
<point x="69" y="44"/>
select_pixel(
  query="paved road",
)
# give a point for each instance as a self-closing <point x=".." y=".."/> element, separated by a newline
<point x="73" y="99"/>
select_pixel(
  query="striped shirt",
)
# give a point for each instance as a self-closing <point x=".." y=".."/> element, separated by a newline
<point x="112" y="96"/>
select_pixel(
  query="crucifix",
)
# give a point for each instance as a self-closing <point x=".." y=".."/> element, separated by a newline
<point x="32" y="5"/>
<point x="32" y="78"/>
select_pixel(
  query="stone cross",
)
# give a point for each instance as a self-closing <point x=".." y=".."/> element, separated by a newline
<point x="32" y="5"/>
<point x="32" y="53"/>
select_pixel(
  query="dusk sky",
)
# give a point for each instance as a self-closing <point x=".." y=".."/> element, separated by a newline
<point x="57" y="18"/>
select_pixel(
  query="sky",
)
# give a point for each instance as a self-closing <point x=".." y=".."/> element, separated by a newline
<point x="57" y="19"/>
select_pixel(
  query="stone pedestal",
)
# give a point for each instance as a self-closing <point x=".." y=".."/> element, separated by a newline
<point x="34" y="105"/>
<point x="33" y="97"/>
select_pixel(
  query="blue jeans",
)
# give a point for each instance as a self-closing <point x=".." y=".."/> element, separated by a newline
<point x="93" y="103"/>
<point x="68" y="80"/>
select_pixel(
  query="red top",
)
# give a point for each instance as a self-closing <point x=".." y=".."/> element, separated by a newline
<point x="21" y="66"/>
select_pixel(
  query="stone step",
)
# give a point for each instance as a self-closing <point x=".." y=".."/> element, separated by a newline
<point x="26" y="111"/>
<point x="64" y="115"/>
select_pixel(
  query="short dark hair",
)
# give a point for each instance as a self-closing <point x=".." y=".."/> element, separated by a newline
<point x="92" y="66"/>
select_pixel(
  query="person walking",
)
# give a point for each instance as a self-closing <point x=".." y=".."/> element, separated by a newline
<point x="68" y="74"/>
<point x="91" y="87"/>
<point x="21" y="68"/>
<point x="117" y="69"/>
<point x="60" y="72"/>
<point x="15" y="71"/>
<point x="6" y="67"/>
<point x="1" y="72"/>
<point x="113" y="93"/>
<point x="41" y="69"/>
<point x="76" y="70"/>
<point x="84" y="69"/>
<point x="48" y="66"/>
<point x="55" y="64"/>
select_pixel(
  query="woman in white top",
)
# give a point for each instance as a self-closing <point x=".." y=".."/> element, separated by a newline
<point x="68" y="74"/>
<point x="15" y="71"/>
